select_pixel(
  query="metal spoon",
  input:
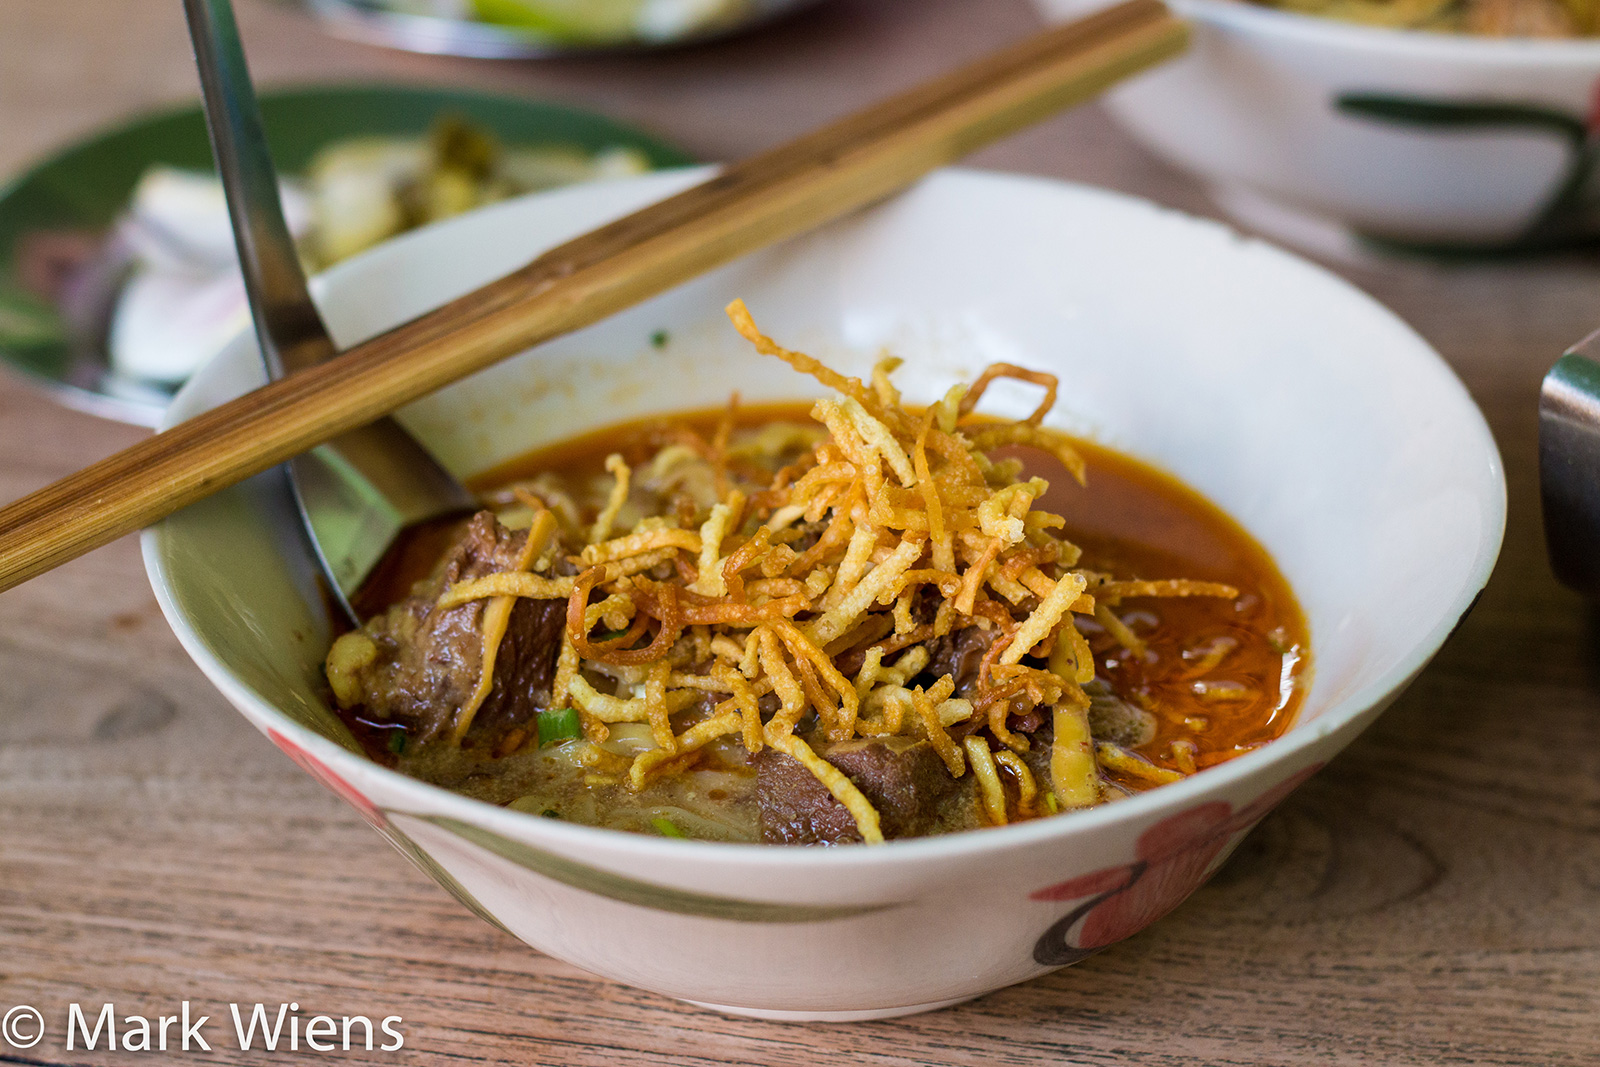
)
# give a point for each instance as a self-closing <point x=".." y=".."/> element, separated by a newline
<point x="1569" y="465"/>
<point x="357" y="492"/>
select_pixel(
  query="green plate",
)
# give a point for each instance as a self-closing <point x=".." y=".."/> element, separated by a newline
<point x="54" y="299"/>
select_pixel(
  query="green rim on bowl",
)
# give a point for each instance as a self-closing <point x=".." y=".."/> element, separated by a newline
<point x="64" y="204"/>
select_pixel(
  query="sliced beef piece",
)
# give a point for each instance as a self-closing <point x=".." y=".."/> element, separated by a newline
<point x="525" y="665"/>
<point x="1116" y="720"/>
<point x="902" y="777"/>
<point x="428" y="660"/>
<point x="960" y="654"/>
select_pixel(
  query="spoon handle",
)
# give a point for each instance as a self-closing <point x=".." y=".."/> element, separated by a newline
<point x="778" y="194"/>
<point x="290" y="329"/>
<point x="358" y="491"/>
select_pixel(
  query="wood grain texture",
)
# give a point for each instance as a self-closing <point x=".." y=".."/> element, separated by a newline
<point x="763" y="199"/>
<point x="1432" y="897"/>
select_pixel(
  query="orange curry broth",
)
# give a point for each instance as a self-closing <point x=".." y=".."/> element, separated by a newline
<point x="1130" y="520"/>
<point x="1137" y="522"/>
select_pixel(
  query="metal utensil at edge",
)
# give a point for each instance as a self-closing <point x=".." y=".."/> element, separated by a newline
<point x="357" y="492"/>
<point x="1569" y="465"/>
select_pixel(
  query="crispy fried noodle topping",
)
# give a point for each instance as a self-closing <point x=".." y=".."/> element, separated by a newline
<point x="805" y="608"/>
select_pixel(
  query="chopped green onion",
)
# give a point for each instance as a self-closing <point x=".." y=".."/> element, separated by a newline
<point x="1051" y="803"/>
<point x="558" y="724"/>
<point x="397" y="741"/>
<point x="660" y="338"/>
<point x="607" y="635"/>
<point x="550" y="813"/>
<point x="665" y="828"/>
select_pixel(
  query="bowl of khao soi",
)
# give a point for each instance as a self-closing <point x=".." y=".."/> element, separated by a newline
<point x="990" y="567"/>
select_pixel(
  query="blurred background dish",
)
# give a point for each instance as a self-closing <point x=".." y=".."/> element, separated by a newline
<point x="120" y="246"/>
<point x="1334" y="135"/>
<point x="1486" y="18"/>
<point x="500" y="29"/>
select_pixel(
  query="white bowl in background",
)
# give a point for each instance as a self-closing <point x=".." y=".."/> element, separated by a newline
<point x="1310" y="413"/>
<point x="1318" y="131"/>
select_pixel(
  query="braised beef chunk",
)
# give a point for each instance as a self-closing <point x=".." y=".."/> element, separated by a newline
<point x="525" y="665"/>
<point x="1113" y="719"/>
<point x="903" y="778"/>
<point x="428" y="660"/>
<point x="960" y="654"/>
<point x="796" y="809"/>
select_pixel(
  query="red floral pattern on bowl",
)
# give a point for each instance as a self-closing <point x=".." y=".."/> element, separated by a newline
<point x="340" y="788"/>
<point x="1174" y="858"/>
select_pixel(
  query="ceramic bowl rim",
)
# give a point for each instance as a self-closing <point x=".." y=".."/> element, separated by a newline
<point x="1142" y="807"/>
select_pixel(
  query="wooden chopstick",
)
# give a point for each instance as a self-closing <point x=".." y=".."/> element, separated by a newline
<point x="760" y="201"/>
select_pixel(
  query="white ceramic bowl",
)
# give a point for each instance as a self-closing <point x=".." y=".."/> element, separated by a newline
<point x="1316" y="130"/>
<point x="1313" y="415"/>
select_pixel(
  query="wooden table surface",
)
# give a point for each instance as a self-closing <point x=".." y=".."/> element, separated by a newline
<point x="1432" y="897"/>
